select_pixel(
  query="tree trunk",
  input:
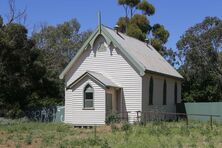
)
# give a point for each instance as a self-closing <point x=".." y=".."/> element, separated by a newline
<point x="131" y="12"/>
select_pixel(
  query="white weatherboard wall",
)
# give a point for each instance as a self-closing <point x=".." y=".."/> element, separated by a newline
<point x="74" y="112"/>
<point x="113" y="66"/>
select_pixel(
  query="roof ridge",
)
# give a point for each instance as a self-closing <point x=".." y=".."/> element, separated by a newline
<point x="124" y="34"/>
<point x="126" y="44"/>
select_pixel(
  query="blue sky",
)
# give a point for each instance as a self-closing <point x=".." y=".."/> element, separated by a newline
<point x="176" y="15"/>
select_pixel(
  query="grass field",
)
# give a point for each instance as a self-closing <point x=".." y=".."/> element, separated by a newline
<point x="157" y="134"/>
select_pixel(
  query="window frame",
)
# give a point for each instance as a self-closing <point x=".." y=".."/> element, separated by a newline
<point x="165" y="92"/>
<point x="150" y="97"/>
<point x="175" y="92"/>
<point x="84" y="97"/>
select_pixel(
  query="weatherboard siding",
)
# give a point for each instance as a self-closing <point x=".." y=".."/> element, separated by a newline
<point x="74" y="111"/>
<point x="158" y="94"/>
<point x="112" y="65"/>
<point x="179" y="91"/>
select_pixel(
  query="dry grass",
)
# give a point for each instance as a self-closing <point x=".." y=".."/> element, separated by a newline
<point x="158" y="134"/>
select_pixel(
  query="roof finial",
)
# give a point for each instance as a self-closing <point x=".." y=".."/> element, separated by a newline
<point x="99" y="21"/>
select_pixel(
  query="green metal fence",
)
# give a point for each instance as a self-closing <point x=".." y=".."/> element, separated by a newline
<point x="213" y="109"/>
<point x="60" y="114"/>
<point x="46" y="114"/>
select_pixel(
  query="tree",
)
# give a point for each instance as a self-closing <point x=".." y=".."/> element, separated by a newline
<point x="29" y="68"/>
<point x="160" y="36"/>
<point x="200" y="53"/>
<point x="14" y="15"/>
<point x="59" y="45"/>
<point x="147" y="8"/>
<point x="129" y="5"/>
<point x="138" y="26"/>
<point x="23" y="76"/>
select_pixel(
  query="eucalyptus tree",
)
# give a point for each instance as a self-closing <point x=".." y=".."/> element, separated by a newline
<point x="59" y="44"/>
<point x="200" y="50"/>
<point x="136" y="23"/>
<point x="24" y="79"/>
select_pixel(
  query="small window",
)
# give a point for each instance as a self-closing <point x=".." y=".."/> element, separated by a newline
<point x="164" y="93"/>
<point x="88" y="97"/>
<point x="151" y="91"/>
<point x="175" y="92"/>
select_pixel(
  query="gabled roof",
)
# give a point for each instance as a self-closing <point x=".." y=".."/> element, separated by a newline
<point x="104" y="81"/>
<point x="143" y="57"/>
<point x="145" y="54"/>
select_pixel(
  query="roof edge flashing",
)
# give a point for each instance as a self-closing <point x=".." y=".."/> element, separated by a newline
<point x="163" y="74"/>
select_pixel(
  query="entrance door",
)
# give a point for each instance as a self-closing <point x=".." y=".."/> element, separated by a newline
<point x="109" y="105"/>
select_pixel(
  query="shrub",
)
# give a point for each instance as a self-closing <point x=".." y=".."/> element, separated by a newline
<point x="17" y="145"/>
<point x="114" y="128"/>
<point x="64" y="144"/>
<point x="113" y="118"/>
<point x="105" y="144"/>
<point x="127" y="128"/>
<point x="94" y="141"/>
<point x="184" y="131"/>
<point x="15" y="113"/>
<point x="179" y="144"/>
<point x="62" y="128"/>
<point x="28" y="139"/>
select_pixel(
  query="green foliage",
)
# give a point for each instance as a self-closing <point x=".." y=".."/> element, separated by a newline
<point x="200" y="54"/>
<point x="157" y="44"/>
<point x="29" y="68"/>
<point x="114" y="127"/>
<point x="131" y="3"/>
<point x="17" y="145"/>
<point x="126" y="127"/>
<point x="59" y="45"/>
<point x="1" y="21"/>
<point x="112" y="118"/>
<point x="28" y="139"/>
<point x="142" y="22"/>
<point x="138" y="26"/>
<point x="134" y="31"/>
<point x="15" y="112"/>
<point x="122" y="23"/>
<point x="21" y="72"/>
<point x="105" y="144"/>
<point x="160" y="33"/>
<point x="121" y="2"/>
<point x="147" y="8"/>
<point x="175" y="135"/>
<point x="62" y="128"/>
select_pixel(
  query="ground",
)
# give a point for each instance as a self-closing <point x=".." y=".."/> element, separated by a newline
<point x="156" y="134"/>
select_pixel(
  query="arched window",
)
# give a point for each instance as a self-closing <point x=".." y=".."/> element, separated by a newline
<point x="88" y="97"/>
<point x="164" y="93"/>
<point x="151" y="91"/>
<point x="175" y="92"/>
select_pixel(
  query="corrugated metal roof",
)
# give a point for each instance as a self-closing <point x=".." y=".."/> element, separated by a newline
<point x="98" y="77"/>
<point x="144" y="53"/>
<point x="142" y="56"/>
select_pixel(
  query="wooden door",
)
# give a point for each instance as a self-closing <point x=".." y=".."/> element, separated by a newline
<point x="109" y="105"/>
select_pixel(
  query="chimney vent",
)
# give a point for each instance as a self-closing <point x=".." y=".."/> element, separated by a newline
<point x="147" y="41"/>
<point x="116" y="28"/>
